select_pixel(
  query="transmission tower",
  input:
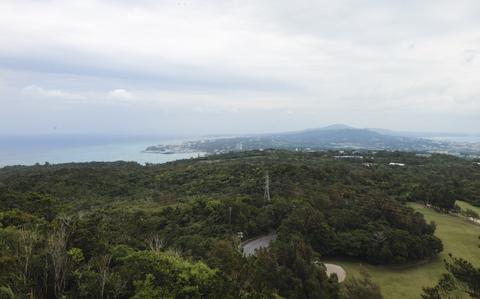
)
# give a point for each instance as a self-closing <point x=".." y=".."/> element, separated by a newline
<point x="266" y="195"/>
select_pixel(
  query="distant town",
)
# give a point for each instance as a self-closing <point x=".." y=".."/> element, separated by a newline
<point x="334" y="137"/>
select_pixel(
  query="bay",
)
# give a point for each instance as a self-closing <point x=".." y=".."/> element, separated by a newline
<point x="29" y="150"/>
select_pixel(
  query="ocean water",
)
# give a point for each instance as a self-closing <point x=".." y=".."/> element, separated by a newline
<point x="29" y="150"/>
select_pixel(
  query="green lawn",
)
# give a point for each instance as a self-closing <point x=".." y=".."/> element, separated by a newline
<point x="466" y="205"/>
<point x="459" y="237"/>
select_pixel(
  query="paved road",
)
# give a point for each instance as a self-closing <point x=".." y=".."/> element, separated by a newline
<point x="332" y="268"/>
<point x="474" y="220"/>
<point x="250" y="246"/>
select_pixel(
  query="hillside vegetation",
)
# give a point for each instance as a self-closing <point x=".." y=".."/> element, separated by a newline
<point x="125" y="230"/>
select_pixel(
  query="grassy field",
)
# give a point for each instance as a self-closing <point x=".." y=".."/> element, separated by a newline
<point x="459" y="237"/>
<point x="466" y="205"/>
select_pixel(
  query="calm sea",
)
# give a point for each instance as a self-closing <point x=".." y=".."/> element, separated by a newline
<point x="28" y="150"/>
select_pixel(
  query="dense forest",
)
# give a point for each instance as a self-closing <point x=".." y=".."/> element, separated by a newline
<point x="125" y="230"/>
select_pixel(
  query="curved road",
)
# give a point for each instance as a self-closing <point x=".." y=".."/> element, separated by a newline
<point x="332" y="268"/>
<point x="250" y="246"/>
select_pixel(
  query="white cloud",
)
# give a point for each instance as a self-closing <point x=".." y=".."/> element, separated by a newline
<point x="121" y="94"/>
<point x="311" y="57"/>
<point x="37" y="91"/>
<point x="85" y="97"/>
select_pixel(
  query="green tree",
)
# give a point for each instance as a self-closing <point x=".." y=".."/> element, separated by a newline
<point x="175" y="276"/>
<point x="462" y="276"/>
<point x="362" y="287"/>
<point x="145" y="289"/>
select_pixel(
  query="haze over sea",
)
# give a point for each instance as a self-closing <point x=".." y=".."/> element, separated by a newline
<point x="29" y="150"/>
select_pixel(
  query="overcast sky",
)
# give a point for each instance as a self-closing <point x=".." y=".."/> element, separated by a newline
<point x="163" y="67"/>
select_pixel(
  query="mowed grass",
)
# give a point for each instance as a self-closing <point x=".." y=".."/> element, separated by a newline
<point x="466" y="205"/>
<point x="459" y="237"/>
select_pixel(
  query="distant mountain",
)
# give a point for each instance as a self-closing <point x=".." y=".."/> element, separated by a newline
<point x="341" y="136"/>
<point x="336" y="136"/>
<point x="388" y="132"/>
<point x="333" y="127"/>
